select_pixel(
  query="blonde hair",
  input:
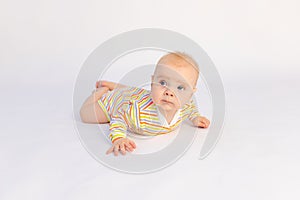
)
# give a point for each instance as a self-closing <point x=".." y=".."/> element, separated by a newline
<point x="184" y="56"/>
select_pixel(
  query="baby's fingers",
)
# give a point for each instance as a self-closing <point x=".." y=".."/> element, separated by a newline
<point x="122" y="149"/>
<point x="132" y="144"/>
<point x="110" y="150"/>
<point x="128" y="147"/>
<point x="207" y="123"/>
<point x="203" y="124"/>
<point x="116" y="149"/>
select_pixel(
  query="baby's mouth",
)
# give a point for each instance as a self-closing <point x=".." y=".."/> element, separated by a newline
<point x="166" y="101"/>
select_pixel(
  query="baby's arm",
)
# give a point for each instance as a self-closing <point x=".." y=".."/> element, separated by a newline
<point x="117" y="135"/>
<point x="196" y="118"/>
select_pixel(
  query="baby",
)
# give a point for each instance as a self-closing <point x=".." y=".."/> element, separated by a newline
<point x="154" y="112"/>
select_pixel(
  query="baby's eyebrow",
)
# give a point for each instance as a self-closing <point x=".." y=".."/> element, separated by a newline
<point x="163" y="77"/>
<point x="181" y="82"/>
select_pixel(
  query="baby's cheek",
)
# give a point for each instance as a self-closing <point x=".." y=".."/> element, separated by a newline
<point x="185" y="99"/>
<point x="178" y="104"/>
<point x="154" y="96"/>
<point x="181" y="102"/>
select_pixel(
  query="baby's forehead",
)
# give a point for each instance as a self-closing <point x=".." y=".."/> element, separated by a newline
<point x="175" y="62"/>
<point x="179" y="68"/>
<point x="171" y="59"/>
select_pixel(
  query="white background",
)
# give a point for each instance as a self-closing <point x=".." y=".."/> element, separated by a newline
<point x="255" y="46"/>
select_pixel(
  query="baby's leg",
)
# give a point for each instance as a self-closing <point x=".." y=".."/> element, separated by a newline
<point x="108" y="84"/>
<point x="91" y="111"/>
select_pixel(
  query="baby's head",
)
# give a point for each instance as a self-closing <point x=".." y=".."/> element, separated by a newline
<point x="174" y="81"/>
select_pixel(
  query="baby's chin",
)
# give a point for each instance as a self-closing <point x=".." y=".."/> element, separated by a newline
<point x="167" y="107"/>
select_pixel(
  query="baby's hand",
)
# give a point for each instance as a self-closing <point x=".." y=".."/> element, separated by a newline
<point x="123" y="145"/>
<point x="201" y="122"/>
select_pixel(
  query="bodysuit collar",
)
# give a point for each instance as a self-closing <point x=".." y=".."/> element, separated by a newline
<point x="163" y="120"/>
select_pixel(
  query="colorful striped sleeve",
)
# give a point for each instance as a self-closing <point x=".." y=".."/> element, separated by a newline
<point x="118" y="125"/>
<point x="117" y="128"/>
<point x="193" y="110"/>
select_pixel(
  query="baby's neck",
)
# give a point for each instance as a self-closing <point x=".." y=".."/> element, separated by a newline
<point x="169" y="115"/>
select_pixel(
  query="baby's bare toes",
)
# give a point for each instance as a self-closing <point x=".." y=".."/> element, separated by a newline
<point x="98" y="84"/>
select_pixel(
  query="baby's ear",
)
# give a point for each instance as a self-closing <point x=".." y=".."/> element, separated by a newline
<point x="194" y="90"/>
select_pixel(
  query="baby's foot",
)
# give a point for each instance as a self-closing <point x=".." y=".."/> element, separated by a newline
<point x="98" y="92"/>
<point x="109" y="85"/>
<point x="101" y="83"/>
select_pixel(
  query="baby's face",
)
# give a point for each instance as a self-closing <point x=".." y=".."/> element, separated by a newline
<point x="173" y="85"/>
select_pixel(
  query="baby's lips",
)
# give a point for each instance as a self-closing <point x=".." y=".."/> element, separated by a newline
<point x="166" y="101"/>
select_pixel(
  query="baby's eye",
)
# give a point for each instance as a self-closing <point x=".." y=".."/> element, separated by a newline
<point x="180" y="88"/>
<point x="163" y="83"/>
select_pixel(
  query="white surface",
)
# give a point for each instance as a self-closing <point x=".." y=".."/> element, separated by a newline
<point x="145" y="144"/>
<point x="255" y="46"/>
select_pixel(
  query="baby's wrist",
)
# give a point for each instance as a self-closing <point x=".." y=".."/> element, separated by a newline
<point x="118" y="138"/>
<point x="196" y="120"/>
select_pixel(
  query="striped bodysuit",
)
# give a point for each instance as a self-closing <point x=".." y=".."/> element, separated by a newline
<point x="132" y="108"/>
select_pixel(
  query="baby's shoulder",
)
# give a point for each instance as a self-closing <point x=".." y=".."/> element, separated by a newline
<point x="188" y="105"/>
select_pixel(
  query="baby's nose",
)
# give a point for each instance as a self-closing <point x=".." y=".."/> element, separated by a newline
<point x="169" y="93"/>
